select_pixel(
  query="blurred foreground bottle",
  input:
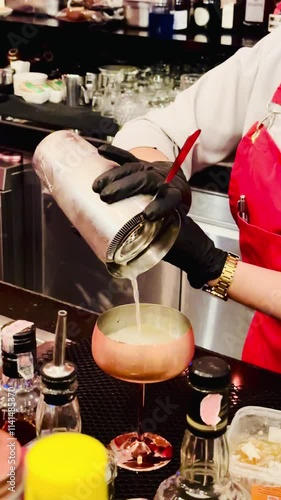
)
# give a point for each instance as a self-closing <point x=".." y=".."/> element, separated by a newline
<point x="68" y="466"/>
<point x="11" y="468"/>
<point x="58" y="408"/>
<point x="19" y="392"/>
<point x="204" y="451"/>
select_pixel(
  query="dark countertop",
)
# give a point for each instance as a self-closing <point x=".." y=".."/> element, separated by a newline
<point x="59" y="116"/>
<point x="108" y="406"/>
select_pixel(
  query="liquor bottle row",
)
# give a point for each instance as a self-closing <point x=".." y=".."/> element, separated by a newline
<point x="65" y="463"/>
<point x="213" y="16"/>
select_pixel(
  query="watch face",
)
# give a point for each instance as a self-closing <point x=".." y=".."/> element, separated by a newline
<point x="201" y="16"/>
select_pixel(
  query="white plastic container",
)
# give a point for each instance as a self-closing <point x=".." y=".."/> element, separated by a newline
<point x="34" y="98"/>
<point x="21" y="78"/>
<point x="255" y="421"/>
<point x="137" y="12"/>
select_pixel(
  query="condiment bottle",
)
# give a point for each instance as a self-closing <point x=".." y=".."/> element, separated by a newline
<point x="66" y="465"/>
<point x="58" y="408"/>
<point x="19" y="390"/>
<point x="204" y="451"/>
<point x="11" y="473"/>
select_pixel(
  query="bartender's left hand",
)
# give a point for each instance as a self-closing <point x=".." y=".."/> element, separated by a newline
<point x="134" y="176"/>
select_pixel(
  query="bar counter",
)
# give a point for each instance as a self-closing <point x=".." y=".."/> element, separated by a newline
<point x="109" y="406"/>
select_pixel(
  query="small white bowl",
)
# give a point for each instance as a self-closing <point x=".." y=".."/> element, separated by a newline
<point x="34" y="98"/>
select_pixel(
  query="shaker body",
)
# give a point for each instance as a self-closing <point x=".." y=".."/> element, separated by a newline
<point x="68" y="165"/>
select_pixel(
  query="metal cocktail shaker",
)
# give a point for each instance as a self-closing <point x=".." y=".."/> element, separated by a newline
<point x="119" y="234"/>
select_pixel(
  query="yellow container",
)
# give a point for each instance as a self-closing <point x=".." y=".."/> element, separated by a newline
<point x="66" y="466"/>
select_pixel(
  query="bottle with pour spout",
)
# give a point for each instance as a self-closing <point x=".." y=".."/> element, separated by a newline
<point x="58" y="407"/>
<point x="119" y="234"/>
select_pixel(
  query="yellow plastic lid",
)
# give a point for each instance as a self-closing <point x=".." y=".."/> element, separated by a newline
<point x="66" y="466"/>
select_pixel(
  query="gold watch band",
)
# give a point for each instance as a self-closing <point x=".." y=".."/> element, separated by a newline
<point x="220" y="290"/>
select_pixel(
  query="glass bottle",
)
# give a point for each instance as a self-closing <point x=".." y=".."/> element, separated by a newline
<point x="207" y="16"/>
<point x="161" y="19"/>
<point x="232" y="15"/>
<point x="19" y="392"/>
<point x="180" y="10"/>
<point x="58" y="408"/>
<point x="204" y="452"/>
<point x="257" y="14"/>
<point x="110" y="96"/>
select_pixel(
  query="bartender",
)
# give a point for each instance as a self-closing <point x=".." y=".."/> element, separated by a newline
<point x="237" y="105"/>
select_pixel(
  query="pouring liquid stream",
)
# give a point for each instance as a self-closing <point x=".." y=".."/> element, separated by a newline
<point x="136" y="293"/>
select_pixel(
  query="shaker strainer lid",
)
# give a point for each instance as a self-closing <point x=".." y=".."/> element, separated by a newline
<point x="132" y="239"/>
<point x="140" y="244"/>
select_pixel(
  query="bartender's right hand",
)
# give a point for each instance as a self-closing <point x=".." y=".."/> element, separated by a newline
<point x="134" y="176"/>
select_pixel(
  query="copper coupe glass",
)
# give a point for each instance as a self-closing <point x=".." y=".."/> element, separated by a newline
<point x="160" y="350"/>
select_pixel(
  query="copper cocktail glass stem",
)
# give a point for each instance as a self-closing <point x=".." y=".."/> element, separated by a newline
<point x="141" y="391"/>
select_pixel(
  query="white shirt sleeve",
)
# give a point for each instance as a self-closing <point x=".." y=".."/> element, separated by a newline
<point x="217" y="104"/>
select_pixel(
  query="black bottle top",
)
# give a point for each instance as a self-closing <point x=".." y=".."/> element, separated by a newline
<point x="209" y="383"/>
<point x="18" y="339"/>
<point x="59" y="383"/>
<point x="209" y="373"/>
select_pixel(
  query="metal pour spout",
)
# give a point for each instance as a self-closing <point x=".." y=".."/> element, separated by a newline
<point x="60" y="339"/>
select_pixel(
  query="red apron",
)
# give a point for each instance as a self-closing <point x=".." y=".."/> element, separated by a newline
<point x="256" y="173"/>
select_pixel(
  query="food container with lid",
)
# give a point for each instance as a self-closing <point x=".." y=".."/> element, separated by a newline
<point x="254" y="438"/>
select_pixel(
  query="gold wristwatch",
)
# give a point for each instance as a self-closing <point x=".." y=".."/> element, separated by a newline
<point x="220" y="290"/>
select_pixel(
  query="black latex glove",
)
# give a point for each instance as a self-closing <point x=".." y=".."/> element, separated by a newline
<point x="195" y="253"/>
<point x="135" y="176"/>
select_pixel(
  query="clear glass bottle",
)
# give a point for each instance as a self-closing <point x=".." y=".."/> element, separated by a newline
<point x="58" y="407"/>
<point x="204" y="452"/>
<point x="19" y="391"/>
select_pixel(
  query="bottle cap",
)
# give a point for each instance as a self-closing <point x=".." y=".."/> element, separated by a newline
<point x="18" y="337"/>
<point x="59" y="383"/>
<point x="18" y="349"/>
<point x="66" y="465"/>
<point x="58" y="377"/>
<point x="210" y="373"/>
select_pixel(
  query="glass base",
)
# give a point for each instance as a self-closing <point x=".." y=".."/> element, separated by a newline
<point x="151" y="453"/>
<point x="175" y="488"/>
